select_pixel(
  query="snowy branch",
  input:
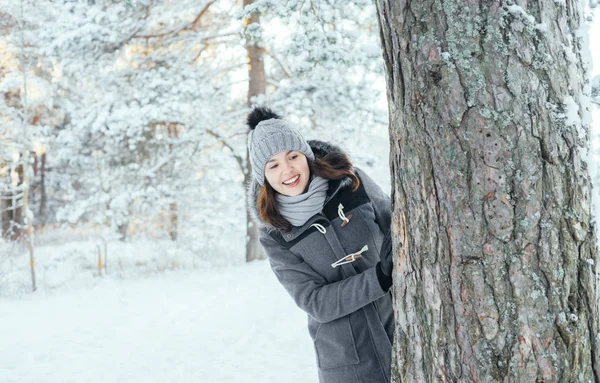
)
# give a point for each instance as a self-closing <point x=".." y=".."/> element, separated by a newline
<point x="238" y="158"/>
<point x="189" y="27"/>
<point x="285" y="70"/>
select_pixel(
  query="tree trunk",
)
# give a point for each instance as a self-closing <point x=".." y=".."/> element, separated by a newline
<point x="173" y="227"/>
<point x="5" y="201"/>
<point x="253" y="248"/>
<point x="173" y="213"/>
<point x="257" y="86"/>
<point x="43" y="196"/>
<point x="38" y="187"/>
<point x="256" y="66"/>
<point x="17" y="210"/>
<point x="26" y="230"/>
<point x="494" y="280"/>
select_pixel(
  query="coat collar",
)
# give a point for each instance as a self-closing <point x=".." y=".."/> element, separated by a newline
<point x="320" y="149"/>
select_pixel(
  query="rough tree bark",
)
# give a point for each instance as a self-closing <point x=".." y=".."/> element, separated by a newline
<point x="491" y="197"/>
<point x="257" y="86"/>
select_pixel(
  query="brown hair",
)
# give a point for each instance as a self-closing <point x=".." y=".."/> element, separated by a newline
<point x="333" y="166"/>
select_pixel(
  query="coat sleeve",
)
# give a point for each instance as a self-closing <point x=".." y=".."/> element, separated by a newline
<point x="380" y="201"/>
<point x="321" y="300"/>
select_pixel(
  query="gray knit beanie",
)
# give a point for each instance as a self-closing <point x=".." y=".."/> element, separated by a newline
<point x="269" y="135"/>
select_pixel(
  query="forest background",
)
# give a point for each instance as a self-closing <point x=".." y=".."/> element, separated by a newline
<point x="126" y="119"/>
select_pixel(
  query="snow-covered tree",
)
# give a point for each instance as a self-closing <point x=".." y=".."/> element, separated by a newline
<point x="257" y="89"/>
<point x="142" y="82"/>
<point x="26" y="111"/>
<point x="324" y="66"/>
<point x="145" y="101"/>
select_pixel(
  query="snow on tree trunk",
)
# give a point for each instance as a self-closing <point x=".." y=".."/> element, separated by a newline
<point x="39" y="169"/>
<point x="11" y="200"/>
<point x="257" y="86"/>
<point x="173" y="221"/>
<point x="256" y="66"/>
<point x="253" y="249"/>
<point x="18" y="201"/>
<point x="491" y="196"/>
<point x="27" y="225"/>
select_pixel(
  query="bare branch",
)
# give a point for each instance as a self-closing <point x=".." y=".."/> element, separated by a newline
<point x="189" y="27"/>
<point x="273" y="84"/>
<point x="200" y="52"/>
<point x="206" y="44"/>
<point x="202" y="13"/>
<point x="238" y="158"/>
<point x="283" y="68"/>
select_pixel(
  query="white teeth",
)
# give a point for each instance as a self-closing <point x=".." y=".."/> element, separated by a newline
<point x="291" y="181"/>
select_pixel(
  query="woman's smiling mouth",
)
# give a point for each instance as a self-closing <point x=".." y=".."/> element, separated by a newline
<point x="291" y="182"/>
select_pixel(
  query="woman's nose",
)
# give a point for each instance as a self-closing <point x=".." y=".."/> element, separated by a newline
<point x="285" y="167"/>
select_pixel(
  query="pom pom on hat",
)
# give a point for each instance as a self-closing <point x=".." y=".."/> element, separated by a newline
<point x="258" y="115"/>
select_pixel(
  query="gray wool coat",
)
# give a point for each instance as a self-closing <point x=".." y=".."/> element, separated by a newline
<point x="350" y="318"/>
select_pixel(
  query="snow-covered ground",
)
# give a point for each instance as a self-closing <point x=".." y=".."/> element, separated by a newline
<point x="230" y="324"/>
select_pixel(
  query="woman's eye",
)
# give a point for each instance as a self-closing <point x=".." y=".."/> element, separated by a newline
<point x="273" y="167"/>
<point x="294" y="157"/>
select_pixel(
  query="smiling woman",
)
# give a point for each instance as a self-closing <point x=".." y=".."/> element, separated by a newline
<point x="325" y="225"/>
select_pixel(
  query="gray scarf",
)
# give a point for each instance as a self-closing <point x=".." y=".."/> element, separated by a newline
<point x="297" y="210"/>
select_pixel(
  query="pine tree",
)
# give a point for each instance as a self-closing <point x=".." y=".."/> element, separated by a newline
<point x="494" y="242"/>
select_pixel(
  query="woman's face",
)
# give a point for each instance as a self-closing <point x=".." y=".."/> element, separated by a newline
<point x="288" y="172"/>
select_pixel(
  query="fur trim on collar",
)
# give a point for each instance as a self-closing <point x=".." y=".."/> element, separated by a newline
<point x="320" y="149"/>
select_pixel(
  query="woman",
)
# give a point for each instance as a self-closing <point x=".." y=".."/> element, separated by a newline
<point x="324" y="226"/>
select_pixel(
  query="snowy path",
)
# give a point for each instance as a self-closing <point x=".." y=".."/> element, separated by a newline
<point x="231" y="325"/>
